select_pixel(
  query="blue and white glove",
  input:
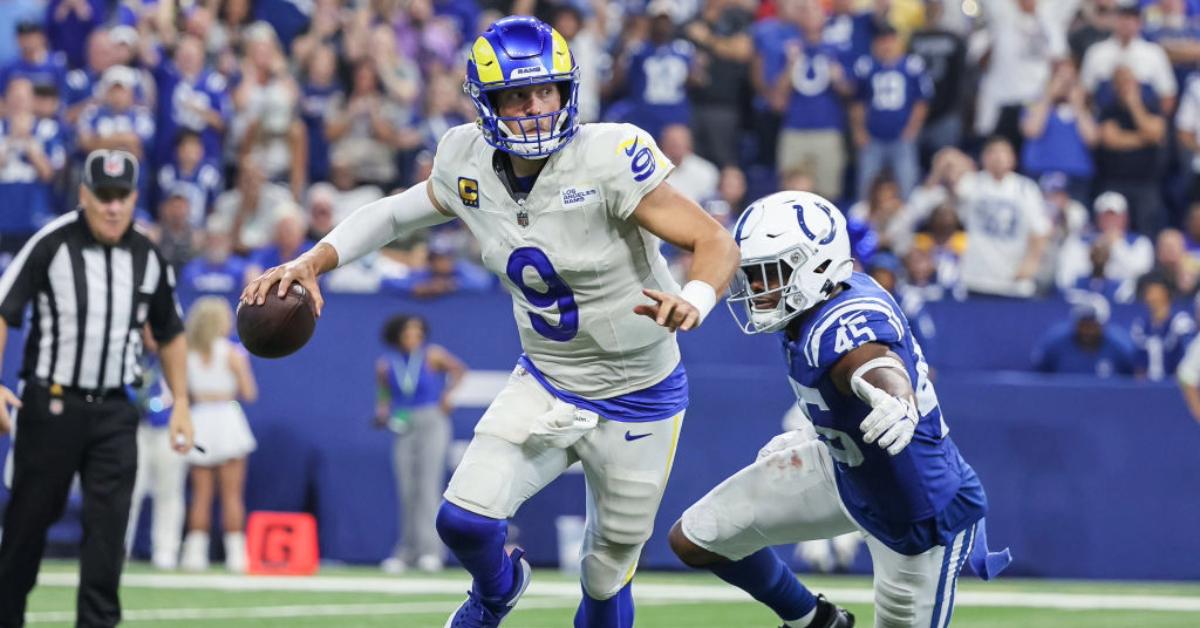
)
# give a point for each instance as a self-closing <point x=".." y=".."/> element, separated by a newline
<point x="892" y="420"/>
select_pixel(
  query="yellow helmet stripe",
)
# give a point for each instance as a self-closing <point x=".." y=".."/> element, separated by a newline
<point x="562" y="54"/>
<point x="486" y="63"/>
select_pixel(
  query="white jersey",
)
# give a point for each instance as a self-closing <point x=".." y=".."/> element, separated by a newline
<point x="1000" y="216"/>
<point x="570" y="253"/>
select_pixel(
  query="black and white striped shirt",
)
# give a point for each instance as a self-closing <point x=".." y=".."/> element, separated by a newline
<point x="90" y="302"/>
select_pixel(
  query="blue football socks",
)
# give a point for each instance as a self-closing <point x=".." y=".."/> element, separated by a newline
<point x="615" y="612"/>
<point x="478" y="543"/>
<point x="765" y="577"/>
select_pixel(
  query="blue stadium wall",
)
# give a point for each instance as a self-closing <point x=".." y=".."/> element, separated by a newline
<point x="1086" y="478"/>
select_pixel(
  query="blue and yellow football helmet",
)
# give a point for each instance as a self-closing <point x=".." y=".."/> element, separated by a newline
<point x="514" y="52"/>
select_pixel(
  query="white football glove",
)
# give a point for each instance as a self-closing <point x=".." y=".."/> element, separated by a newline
<point x="892" y="420"/>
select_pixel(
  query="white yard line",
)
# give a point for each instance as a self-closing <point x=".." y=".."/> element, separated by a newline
<point x="558" y="593"/>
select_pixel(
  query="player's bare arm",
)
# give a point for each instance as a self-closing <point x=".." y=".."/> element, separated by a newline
<point x="679" y="220"/>
<point x="877" y="376"/>
<point x="367" y="229"/>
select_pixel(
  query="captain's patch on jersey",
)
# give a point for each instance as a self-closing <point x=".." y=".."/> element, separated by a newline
<point x="468" y="191"/>
<point x="577" y="195"/>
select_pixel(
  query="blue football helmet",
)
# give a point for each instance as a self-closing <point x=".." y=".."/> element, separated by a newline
<point x="515" y="52"/>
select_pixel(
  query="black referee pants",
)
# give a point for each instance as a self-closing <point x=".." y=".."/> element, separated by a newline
<point x="56" y="437"/>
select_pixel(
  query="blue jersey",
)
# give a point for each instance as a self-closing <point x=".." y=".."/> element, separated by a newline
<point x="1160" y="346"/>
<point x="70" y="35"/>
<point x="49" y="71"/>
<point x="203" y="276"/>
<point x="315" y="102"/>
<point x="180" y="103"/>
<point x="814" y="104"/>
<point x="1060" y="147"/>
<point x="200" y="187"/>
<point x="50" y="135"/>
<point x="851" y="35"/>
<point x="658" y="85"/>
<point x="890" y="92"/>
<point x="771" y="37"/>
<point x="926" y="494"/>
<point x="1058" y="352"/>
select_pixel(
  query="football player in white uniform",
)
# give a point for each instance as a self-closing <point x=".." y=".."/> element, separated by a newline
<point x="569" y="217"/>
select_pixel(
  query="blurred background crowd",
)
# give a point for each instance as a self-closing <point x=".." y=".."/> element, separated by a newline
<point x="1012" y="148"/>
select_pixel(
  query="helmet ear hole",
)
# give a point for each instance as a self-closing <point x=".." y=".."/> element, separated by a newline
<point x="823" y="267"/>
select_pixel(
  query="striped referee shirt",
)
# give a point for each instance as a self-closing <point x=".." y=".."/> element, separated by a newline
<point x="89" y="303"/>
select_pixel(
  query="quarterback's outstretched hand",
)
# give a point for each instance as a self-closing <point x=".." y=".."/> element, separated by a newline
<point x="669" y="310"/>
<point x="892" y="420"/>
<point x="302" y="270"/>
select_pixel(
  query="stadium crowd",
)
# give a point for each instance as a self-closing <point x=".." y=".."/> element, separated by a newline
<point x="1014" y="148"/>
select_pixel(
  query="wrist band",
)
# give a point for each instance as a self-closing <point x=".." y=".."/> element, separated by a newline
<point x="701" y="295"/>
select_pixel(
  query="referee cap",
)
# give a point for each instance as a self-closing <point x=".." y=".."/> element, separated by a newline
<point x="110" y="169"/>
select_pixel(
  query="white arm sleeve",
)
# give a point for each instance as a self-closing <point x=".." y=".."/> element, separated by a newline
<point x="375" y="224"/>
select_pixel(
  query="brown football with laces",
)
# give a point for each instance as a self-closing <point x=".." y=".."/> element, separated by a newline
<point x="278" y="327"/>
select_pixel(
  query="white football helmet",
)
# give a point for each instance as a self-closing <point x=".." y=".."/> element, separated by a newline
<point x="798" y="239"/>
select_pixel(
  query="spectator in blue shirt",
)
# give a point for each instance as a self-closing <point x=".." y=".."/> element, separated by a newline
<point x="893" y="93"/>
<point x="69" y="22"/>
<point x="193" y="175"/>
<point x="190" y="97"/>
<point x="36" y="62"/>
<point x="887" y="270"/>
<point x="1177" y="30"/>
<point x="444" y="275"/>
<point x="81" y="82"/>
<point x="15" y="12"/>
<point x="1060" y="132"/>
<point x="31" y="154"/>
<point x="116" y="122"/>
<point x="319" y="93"/>
<point x="1161" y="333"/>
<point x="1086" y="345"/>
<point x="289" y="243"/>
<point x="218" y="270"/>
<point x="656" y="73"/>
<point x="851" y="32"/>
<point x="808" y="94"/>
<point x="1098" y="282"/>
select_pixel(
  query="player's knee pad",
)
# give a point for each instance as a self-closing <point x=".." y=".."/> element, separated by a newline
<point x="461" y="528"/>
<point x="606" y="567"/>
<point x="708" y="524"/>
<point x="625" y="515"/>
<point x="895" y="604"/>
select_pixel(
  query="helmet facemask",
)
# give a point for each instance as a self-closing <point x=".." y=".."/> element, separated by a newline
<point x="534" y="143"/>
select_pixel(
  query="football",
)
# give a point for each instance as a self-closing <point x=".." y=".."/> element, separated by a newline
<point x="278" y="327"/>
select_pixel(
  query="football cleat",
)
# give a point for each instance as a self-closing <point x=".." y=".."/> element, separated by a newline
<point x="475" y="612"/>
<point x="829" y="615"/>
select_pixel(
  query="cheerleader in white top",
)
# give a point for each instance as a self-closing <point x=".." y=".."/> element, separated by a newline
<point x="218" y="376"/>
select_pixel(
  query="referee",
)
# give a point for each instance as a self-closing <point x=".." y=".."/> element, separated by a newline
<point x="93" y="281"/>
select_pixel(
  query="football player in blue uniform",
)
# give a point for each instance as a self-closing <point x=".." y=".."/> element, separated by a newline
<point x="883" y="463"/>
